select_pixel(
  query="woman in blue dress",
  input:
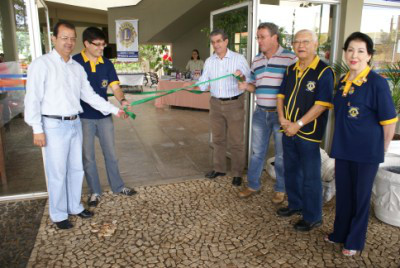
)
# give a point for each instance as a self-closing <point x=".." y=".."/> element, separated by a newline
<point x="365" y="119"/>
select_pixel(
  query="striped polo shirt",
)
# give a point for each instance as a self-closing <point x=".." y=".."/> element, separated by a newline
<point x="267" y="75"/>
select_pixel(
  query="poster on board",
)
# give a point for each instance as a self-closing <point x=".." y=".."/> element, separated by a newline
<point x="127" y="40"/>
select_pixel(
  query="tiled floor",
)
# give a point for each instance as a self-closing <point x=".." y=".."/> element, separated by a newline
<point x="161" y="145"/>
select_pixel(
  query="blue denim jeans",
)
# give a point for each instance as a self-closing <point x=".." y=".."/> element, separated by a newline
<point x="302" y="162"/>
<point x="264" y="124"/>
<point x="64" y="170"/>
<point x="104" y="130"/>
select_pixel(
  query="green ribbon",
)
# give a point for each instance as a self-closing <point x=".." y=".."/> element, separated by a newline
<point x="170" y="91"/>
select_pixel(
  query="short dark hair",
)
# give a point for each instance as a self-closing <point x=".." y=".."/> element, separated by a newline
<point x="219" y="32"/>
<point x="62" y="23"/>
<point x="198" y="54"/>
<point x="363" y="38"/>
<point x="92" y="33"/>
<point x="271" y="27"/>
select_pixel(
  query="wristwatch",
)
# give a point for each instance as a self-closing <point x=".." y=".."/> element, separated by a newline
<point x="300" y="123"/>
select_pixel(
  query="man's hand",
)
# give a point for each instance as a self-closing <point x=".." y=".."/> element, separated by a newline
<point x="39" y="139"/>
<point x="124" y="103"/>
<point x="238" y="73"/>
<point x="243" y="85"/>
<point x="121" y="114"/>
<point x="291" y="129"/>
<point x="284" y="123"/>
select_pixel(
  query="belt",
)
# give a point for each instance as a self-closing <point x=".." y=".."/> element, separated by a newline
<point x="231" y="98"/>
<point x="266" y="109"/>
<point x="72" y="117"/>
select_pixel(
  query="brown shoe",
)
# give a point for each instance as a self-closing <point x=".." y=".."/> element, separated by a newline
<point x="246" y="192"/>
<point x="278" y="197"/>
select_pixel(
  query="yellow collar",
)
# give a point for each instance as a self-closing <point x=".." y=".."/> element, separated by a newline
<point x="313" y="65"/>
<point x="92" y="64"/>
<point x="361" y="78"/>
<point x="86" y="59"/>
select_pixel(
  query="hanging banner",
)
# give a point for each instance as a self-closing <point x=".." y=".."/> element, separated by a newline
<point x="127" y="40"/>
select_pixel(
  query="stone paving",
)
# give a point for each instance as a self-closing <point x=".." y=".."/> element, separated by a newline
<point x="19" y="224"/>
<point x="202" y="223"/>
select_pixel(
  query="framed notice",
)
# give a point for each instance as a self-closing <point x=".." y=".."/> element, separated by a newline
<point x="127" y="40"/>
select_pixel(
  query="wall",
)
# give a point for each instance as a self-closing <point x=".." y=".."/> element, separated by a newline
<point x="194" y="39"/>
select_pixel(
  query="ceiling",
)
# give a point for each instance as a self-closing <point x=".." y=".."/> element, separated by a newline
<point x="97" y="4"/>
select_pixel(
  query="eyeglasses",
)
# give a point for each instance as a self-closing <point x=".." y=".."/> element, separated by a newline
<point x="66" y="38"/>
<point x="261" y="37"/>
<point x="99" y="44"/>
<point x="303" y="42"/>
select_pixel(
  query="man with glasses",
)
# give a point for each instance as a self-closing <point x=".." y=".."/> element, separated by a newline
<point x="303" y="100"/>
<point x="267" y="71"/>
<point x="226" y="106"/>
<point x="55" y="84"/>
<point x="101" y="75"/>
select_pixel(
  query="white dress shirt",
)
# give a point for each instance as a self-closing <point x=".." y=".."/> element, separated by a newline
<point x="215" y="67"/>
<point x="55" y="87"/>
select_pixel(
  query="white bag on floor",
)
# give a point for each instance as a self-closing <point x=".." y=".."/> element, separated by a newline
<point x="327" y="174"/>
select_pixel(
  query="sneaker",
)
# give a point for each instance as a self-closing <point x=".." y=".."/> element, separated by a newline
<point x="127" y="191"/>
<point x="247" y="192"/>
<point x="349" y="252"/>
<point x="93" y="200"/>
<point x="278" y="197"/>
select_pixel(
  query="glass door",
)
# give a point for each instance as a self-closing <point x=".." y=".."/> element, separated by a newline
<point x="292" y="16"/>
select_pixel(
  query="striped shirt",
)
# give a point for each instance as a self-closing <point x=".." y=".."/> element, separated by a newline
<point x="215" y="67"/>
<point x="267" y="75"/>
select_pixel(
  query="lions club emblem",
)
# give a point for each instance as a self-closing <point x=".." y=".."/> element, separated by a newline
<point x="351" y="91"/>
<point x="127" y="34"/>
<point x="354" y="112"/>
<point x="310" y="86"/>
<point x="104" y="83"/>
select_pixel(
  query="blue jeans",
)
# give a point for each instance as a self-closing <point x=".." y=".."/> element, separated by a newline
<point x="64" y="170"/>
<point x="104" y="130"/>
<point x="264" y="124"/>
<point x="302" y="162"/>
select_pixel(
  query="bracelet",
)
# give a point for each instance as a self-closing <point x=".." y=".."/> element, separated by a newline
<point x="300" y="123"/>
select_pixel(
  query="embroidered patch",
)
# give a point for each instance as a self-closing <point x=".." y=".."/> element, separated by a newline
<point x="310" y="86"/>
<point x="104" y="83"/>
<point x="351" y="91"/>
<point x="354" y="112"/>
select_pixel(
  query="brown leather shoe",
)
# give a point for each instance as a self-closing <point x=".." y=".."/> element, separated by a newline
<point x="247" y="192"/>
<point x="278" y="197"/>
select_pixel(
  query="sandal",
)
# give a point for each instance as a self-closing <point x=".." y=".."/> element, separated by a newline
<point x="349" y="252"/>
<point x="326" y="239"/>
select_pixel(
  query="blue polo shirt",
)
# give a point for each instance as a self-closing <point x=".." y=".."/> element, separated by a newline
<point x="361" y="109"/>
<point x="100" y="75"/>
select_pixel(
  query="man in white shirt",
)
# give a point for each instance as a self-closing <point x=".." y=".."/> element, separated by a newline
<point x="55" y="85"/>
<point x="226" y="106"/>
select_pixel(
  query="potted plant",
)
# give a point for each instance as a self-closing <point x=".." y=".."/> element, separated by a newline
<point x="392" y="72"/>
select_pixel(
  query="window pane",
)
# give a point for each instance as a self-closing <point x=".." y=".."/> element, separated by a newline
<point x="384" y="31"/>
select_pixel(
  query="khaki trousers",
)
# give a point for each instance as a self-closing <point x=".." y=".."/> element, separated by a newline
<point x="227" y="128"/>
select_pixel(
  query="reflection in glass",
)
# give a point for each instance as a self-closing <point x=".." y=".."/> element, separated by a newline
<point x="384" y="31"/>
<point x="234" y="23"/>
<point x="294" y="16"/>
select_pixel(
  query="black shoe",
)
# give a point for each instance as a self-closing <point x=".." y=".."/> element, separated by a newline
<point x="305" y="226"/>
<point x="287" y="212"/>
<point x="65" y="224"/>
<point x="85" y="214"/>
<point x="127" y="191"/>
<point x="213" y="174"/>
<point x="237" y="181"/>
<point x="93" y="200"/>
